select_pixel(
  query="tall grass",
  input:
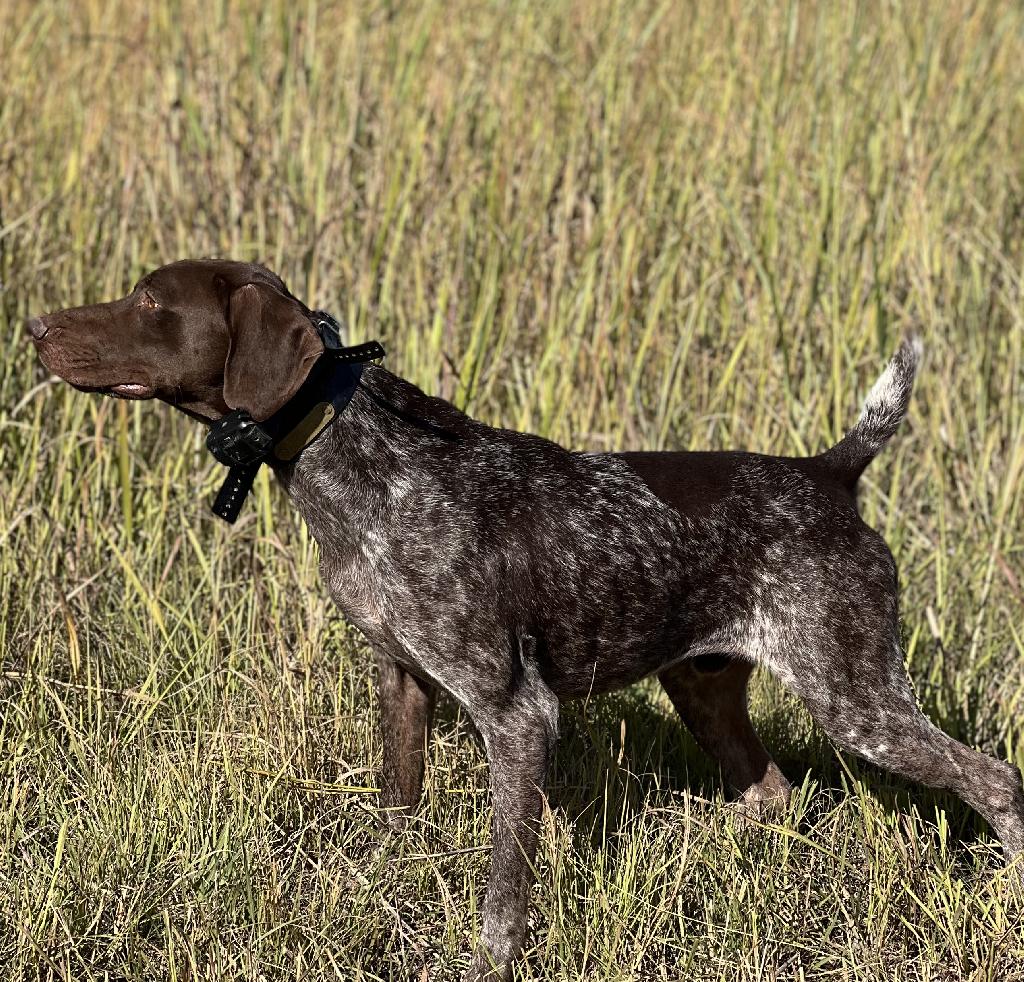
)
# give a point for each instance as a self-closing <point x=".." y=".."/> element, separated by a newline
<point x="620" y="224"/>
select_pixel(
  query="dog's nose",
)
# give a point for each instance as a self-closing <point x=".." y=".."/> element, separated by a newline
<point x="36" y="328"/>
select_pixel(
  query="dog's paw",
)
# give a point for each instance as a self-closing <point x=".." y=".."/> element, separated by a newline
<point x="491" y="965"/>
<point x="396" y="817"/>
<point x="483" y="969"/>
<point x="764" y="801"/>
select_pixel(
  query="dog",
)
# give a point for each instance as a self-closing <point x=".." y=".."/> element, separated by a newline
<point x="513" y="574"/>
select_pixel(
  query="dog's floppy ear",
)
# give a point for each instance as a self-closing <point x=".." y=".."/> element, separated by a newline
<point x="273" y="346"/>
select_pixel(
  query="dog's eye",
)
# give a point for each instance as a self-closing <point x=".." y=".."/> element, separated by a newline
<point x="148" y="301"/>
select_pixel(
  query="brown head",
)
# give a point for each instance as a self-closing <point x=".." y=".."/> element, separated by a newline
<point x="207" y="336"/>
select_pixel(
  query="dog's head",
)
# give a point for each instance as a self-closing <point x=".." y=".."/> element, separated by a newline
<point x="207" y="336"/>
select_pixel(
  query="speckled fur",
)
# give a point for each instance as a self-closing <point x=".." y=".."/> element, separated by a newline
<point x="513" y="574"/>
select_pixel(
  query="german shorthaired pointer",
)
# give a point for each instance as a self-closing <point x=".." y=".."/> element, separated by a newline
<point x="512" y="574"/>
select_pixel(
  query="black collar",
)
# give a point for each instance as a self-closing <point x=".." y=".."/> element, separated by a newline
<point x="241" y="443"/>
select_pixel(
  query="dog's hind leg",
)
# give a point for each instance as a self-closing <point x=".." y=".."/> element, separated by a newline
<point x="864" y="700"/>
<point x="406" y="706"/>
<point x="710" y="694"/>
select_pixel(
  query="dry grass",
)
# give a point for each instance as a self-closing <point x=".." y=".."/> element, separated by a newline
<point x="619" y="224"/>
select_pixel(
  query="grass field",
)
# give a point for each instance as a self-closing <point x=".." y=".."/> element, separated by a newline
<point x="619" y="224"/>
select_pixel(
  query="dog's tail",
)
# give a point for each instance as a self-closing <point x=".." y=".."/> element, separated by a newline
<point x="884" y="410"/>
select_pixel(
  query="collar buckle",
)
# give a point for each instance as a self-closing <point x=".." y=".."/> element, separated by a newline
<point x="329" y="329"/>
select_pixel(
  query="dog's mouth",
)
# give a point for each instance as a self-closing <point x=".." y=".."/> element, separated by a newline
<point x="83" y="370"/>
<point x="131" y="390"/>
<point x="122" y="390"/>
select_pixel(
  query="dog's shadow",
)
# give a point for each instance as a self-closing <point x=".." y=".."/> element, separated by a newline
<point x="629" y="751"/>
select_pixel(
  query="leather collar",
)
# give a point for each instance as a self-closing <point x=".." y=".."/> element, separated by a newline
<point x="241" y="443"/>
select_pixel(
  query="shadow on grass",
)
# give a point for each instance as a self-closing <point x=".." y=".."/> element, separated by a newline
<point x="624" y="753"/>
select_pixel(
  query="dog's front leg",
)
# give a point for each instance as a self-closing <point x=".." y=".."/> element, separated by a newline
<point x="520" y="740"/>
<point x="406" y="706"/>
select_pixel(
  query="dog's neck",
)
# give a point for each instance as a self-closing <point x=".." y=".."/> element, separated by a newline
<point x="374" y="460"/>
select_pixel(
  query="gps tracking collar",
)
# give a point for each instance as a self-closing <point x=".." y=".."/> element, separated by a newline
<point x="241" y="443"/>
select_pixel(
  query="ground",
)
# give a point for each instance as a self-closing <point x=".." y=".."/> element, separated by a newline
<point x="622" y="225"/>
